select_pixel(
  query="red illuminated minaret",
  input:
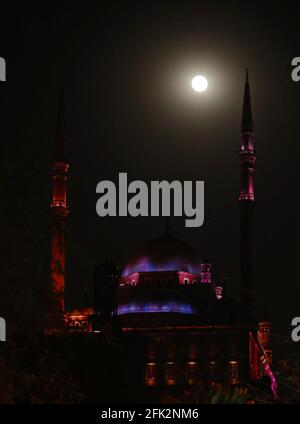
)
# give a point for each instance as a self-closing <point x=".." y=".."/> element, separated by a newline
<point x="59" y="211"/>
<point x="247" y="202"/>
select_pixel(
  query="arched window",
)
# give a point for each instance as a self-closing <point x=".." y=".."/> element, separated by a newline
<point x="170" y="374"/>
<point x="233" y="372"/>
<point x="191" y="370"/>
<point x="151" y="374"/>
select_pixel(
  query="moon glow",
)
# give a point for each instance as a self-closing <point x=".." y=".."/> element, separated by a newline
<point x="199" y="83"/>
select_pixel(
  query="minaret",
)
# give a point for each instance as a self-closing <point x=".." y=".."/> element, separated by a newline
<point x="59" y="211"/>
<point x="247" y="203"/>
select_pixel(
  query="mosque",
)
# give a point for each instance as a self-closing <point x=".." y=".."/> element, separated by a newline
<point x="177" y="325"/>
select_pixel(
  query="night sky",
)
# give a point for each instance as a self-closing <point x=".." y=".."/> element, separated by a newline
<point x="127" y="68"/>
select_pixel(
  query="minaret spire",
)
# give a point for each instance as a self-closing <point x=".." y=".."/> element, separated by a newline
<point x="247" y="201"/>
<point x="247" y="120"/>
<point x="59" y="209"/>
<point x="60" y="129"/>
<point x="247" y="152"/>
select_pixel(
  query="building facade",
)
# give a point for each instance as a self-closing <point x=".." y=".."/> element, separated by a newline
<point x="177" y="325"/>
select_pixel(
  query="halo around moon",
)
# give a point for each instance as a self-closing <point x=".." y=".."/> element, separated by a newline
<point x="199" y="83"/>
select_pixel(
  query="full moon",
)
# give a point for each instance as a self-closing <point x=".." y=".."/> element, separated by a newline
<point x="199" y="83"/>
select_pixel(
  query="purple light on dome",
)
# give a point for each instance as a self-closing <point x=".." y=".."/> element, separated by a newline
<point x="147" y="264"/>
<point x="156" y="307"/>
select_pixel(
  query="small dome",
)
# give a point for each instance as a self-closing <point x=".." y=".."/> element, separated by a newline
<point x="164" y="253"/>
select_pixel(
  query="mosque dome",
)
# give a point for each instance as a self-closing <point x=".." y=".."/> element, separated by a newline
<point x="165" y="253"/>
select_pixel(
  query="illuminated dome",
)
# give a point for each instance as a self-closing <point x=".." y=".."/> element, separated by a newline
<point x="165" y="253"/>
